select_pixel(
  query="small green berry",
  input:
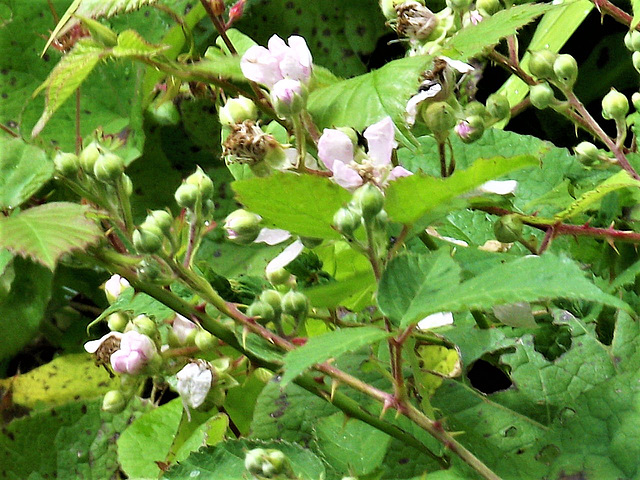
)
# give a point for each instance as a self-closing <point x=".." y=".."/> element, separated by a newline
<point x="346" y="221"/>
<point x="566" y="69"/>
<point x="108" y="167"/>
<point x="113" y="402"/>
<point x="541" y="95"/>
<point x="541" y="64"/>
<point x="508" y="228"/>
<point x="66" y="163"/>
<point x="614" y="105"/>
<point x="369" y="200"/>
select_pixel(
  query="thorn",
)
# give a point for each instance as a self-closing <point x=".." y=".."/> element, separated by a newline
<point x="612" y="245"/>
<point x="385" y="406"/>
<point x="245" y="332"/>
<point x="334" y="387"/>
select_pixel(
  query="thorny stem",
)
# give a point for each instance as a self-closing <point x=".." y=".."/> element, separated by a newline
<point x="399" y="242"/>
<point x="616" y="13"/>
<point x="371" y="251"/>
<point x="193" y="241"/>
<point x="220" y="27"/>
<point x="125" y="205"/>
<point x="311" y="127"/>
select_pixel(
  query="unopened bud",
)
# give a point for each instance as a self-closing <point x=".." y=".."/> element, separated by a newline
<point x="236" y="11"/>
<point x="88" y="157"/>
<point x="508" y="228"/>
<point x="566" y="69"/>
<point x="635" y="58"/>
<point x="127" y="184"/>
<point x="205" y="341"/>
<point x="488" y="7"/>
<point x="113" y="402"/>
<point x="147" y="240"/>
<point x="114" y="287"/>
<point x="161" y="219"/>
<point x="369" y="200"/>
<point x="242" y="227"/>
<point x="202" y="181"/>
<point x="459" y="5"/>
<point x="237" y="110"/>
<point x="66" y="163"/>
<point x="187" y="195"/>
<point x="117" y="322"/>
<point x="614" y="105"/>
<point x="108" y="167"/>
<point x="278" y="276"/>
<point x="439" y="117"/>
<point x="217" y="7"/>
<point x="289" y="97"/>
<point x="587" y="152"/>
<point x="144" y="325"/>
<point x="635" y="99"/>
<point x="346" y="221"/>
<point x="498" y="107"/>
<point x="632" y="40"/>
<point x="541" y="64"/>
<point x="165" y="113"/>
<point x="262" y="311"/>
<point x="541" y="95"/>
<point x="470" y="129"/>
<point x="273" y="298"/>
<point x="295" y="304"/>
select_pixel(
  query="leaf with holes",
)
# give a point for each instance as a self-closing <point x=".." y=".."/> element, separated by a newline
<point x="37" y="232"/>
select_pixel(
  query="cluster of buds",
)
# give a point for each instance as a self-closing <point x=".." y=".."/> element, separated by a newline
<point x="149" y="236"/>
<point x="553" y="70"/>
<point x="266" y="463"/>
<point x="632" y="42"/>
<point x="350" y="165"/>
<point x="366" y="206"/>
<point x="273" y="307"/>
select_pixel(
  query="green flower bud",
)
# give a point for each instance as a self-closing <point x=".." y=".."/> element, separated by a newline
<point x="295" y="304"/>
<point x="88" y="157"/>
<point x="205" y="341"/>
<point x="263" y="375"/>
<point x="127" y="184"/>
<point x="632" y="40"/>
<point x="202" y="181"/>
<point x="459" y="4"/>
<point x="439" y="117"/>
<point x="147" y="240"/>
<point x="160" y="218"/>
<point x="277" y="461"/>
<point x="541" y="95"/>
<point x="187" y="195"/>
<point x="470" y="129"/>
<point x="273" y="298"/>
<point x="566" y="69"/>
<point x="150" y="270"/>
<point x="254" y="460"/>
<point x="242" y="227"/>
<point x="117" y="322"/>
<point x="635" y="58"/>
<point x="508" y="228"/>
<point x="369" y="200"/>
<point x="144" y="325"/>
<point x="114" y="402"/>
<point x="66" y="163"/>
<point x="262" y="310"/>
<point x="498" y="107"/>
<point x="165" y="113"/>
<point x="488" y="7"/>
<point x="108" y="167"/>
<point x="289" y="97"/>
<point x="278" y="277"/>
<point x="627" y="40"/>
<point x="347" y="221"/>
<point x="635" y="99"/>
<point x="615" y="105"/>
<point x="237" y="110"/>
<point x="311" y="242"/>
<point x="475" y="108"/>
<point x="541" y="64"/>
<point x="587" y="152"/>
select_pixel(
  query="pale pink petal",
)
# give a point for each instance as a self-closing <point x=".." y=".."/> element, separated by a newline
<point x="334" y="145"/>
<point x="287" y="256"/>
<point x="380" y="138"/>
<point x="299" y="47"/>
<point x="398" y="172"/>
<point x="277" y="47"/>
<point x="436" y="320"/>
<point x="182" y="327"/>
<point x="272" y="236"/>
<point x="345" y="176"/>
<point x="259" y="65"/>
<point x="286" y="90"/>
<point x="412" y="104"/>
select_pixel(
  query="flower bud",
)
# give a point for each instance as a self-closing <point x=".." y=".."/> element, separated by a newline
<point x="615" y="105"/>
<point x="144" y="325"/>
<point x="587" y="152"/>
<point x="236" y="11"/>
<point x="566" y="69"/>
<point x="88" y="157"/>
<point x="135" y="352"/>
<point x="475" y="108"/>
<point x="253" y="460"/>
<point x="498" y="107"/>
<point x="187" y="195"/>
<point x="439" y="117"/>
<point x="279" y="276"/>
<point x="147" y="240"/>
<point x="632" y="40"/>
<point x="347" y="221"/>
<point x="635" y="100"/>
<point x="508" y="228"/>
<point x="117" y="321"/>
<point x="541" y="95"/>
<point x="114" y="287"/>
<point x="183" y="332"/>
<point x="459" y="5"/>
<point x="205" y="341"/>
<point x="488" y="7"/>
<point x="369" y="200"/>
<point x="295" y="304"/>
<point x="289" y="97"/>
<point x="194" y="383"/>
<point x="237" y="110"/>
<point x="242" y="227"/>
<point x="541" y="64"/>
<point x="202" y="181"/>
<point x="108" y="167"/>
<point x="273" y="298"/>
<point x="470" y="129"/>
<point x="635" y="58"/>
<point x="127" y="185"/>
<point x="262" y="311"/>
<point x="165" y="113"/>
<point x="161" y="219"/>
<point x="113" y="402"/>
<point x="149" y="270"/>
<point x="66" y="163"/>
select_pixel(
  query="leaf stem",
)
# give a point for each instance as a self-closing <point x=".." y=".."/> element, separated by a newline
<point x="125" y="205"/>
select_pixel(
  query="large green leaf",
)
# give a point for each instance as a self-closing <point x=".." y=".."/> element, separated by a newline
<point x="226" y="461"/>
<point x="23" y="170"/>
<point x="37" y="232"/>
<point x="302" y="204"/>
<point x="472" y="40"/>
<point x="22" y="310"/>
<point x="409" y="198"/>
<point x="326" y="346"/>
<point x="410" y="279"/>
<point x="527" y="279"/>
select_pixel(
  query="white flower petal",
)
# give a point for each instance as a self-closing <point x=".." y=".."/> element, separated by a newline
<point x="436" y="320"/>
<point x="92" y="345"/>
<point x="194" y="383"/>
<point x="417" y="99"/>
<point x="462" y="67"/>
<point x="499" y="187"/>
<point x="272" y="236"/>
<point x="381" y="141"/>
<point x="334" y="145"/>
<point x="286" y="256"/>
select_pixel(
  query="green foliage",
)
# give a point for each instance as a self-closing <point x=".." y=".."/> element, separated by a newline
<point x="36" y="232"/>
<point x="23" y="170"/>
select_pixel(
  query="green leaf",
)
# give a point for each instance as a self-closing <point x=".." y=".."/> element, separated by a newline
<point x="131" y="44"/>
<point x="323" y="347"/>
<point x="64" y="379"/>
<point x="302" y="204"/>
<point x="22" y="310"/>
<point x="36" y="232"/>
<point x="349" y="445"/>
<point x="137" y="304"/>
<point x="636" y="14"/>
<point x="336" y="293"/>
<point x="226" y="461"/>
<point x="472" y="40"/>
<point x="149" y="440"/>
<point x="527" y="279"/>
<point x="409" y="198"/>
<point x="362" y="101"/>
<point x="410" y="279"/>
<point x="66" y="77"/>
<point x="23" y="170"/>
